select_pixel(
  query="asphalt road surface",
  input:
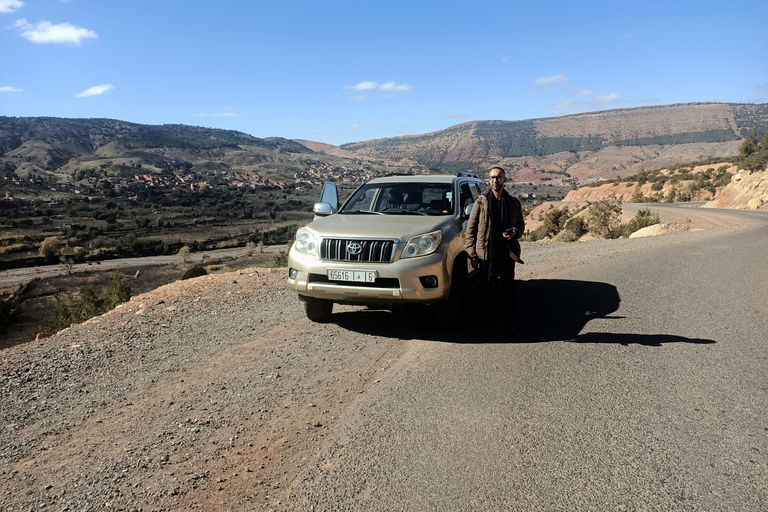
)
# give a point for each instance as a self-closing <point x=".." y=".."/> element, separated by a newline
<point x="641" y="384"/>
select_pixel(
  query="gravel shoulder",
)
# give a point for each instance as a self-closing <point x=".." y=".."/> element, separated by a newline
<point x="216" y="392"/>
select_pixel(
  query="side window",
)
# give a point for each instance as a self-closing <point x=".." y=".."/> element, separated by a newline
<point x="466" y="196"/>
<point x="476" y="191"/>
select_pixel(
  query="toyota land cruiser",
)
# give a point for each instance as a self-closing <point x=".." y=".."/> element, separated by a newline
<point x="395" y="240"/>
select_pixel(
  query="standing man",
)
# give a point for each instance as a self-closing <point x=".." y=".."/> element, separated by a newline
<point x="495" y="224"/>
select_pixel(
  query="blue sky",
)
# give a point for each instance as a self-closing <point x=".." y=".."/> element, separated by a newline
<point x="339" y="71"/>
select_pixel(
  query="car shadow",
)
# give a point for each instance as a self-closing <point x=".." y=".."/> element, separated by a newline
<point x="546" y="310"/>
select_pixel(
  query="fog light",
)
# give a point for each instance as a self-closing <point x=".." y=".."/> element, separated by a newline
<point x="293" y="273"/>
<point x="428" y="281"/>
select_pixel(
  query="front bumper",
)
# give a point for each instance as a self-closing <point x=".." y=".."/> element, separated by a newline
<point x="401" y="281"/>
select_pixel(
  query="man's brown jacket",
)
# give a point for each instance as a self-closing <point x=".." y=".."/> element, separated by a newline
<point x="479" y="225"/>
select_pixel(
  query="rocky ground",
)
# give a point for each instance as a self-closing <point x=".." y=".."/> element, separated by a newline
<point x="212" y="393"/>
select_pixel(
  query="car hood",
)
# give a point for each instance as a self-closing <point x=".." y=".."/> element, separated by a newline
<point x="377" y="226"/>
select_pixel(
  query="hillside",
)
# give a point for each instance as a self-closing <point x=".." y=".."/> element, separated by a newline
<point x="683" y="183"/>
<point x="747" y="189"/>
<point x="580" y="147"/>
<point x="577" y="148"/>
<point x="42" y="146"/>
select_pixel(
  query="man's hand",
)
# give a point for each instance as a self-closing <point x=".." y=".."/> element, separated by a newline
<point x="475" y="262"/>
<point x="510" y="233"/>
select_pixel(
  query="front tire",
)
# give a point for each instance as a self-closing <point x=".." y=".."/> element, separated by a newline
<point x="453" y="309"/>
<point x="318" y="310"/>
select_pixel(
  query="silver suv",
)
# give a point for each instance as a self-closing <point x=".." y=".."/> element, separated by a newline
<point x="395" y="240"/>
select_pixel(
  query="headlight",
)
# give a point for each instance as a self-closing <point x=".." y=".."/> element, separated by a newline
<point x="422" y="245"/>
<point x="305" y="242"/>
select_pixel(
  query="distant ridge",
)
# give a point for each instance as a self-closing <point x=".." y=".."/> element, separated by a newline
<point x="51" y="142"/>
<point x="575" y="148"/>
<point x="585" y="146"/>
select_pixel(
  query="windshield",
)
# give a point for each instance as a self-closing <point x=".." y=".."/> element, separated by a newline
<point x="402" y="199"/>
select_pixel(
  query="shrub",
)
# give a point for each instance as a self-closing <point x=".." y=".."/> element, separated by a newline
<point x="50" y="247"/>
<point x="119" y="292"/>
<point x="603" y="218"/>
<point x="554" y="221"/>
<point x="195" y="271"/>
<point x="577" y="226"/>
<point x="642" y="219"/>
<point x="537" y="234"/>
<point x="567" y="236"/>
<point x="79" y="307"/>
<point x="183" y="254"/>
<point x="281" y="260"/>
<point x="79" y="253"/>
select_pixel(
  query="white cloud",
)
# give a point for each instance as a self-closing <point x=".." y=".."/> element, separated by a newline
<point x="545" y="82"/>
<point x="393" y="87"/>
<point x="549" y="79"/>
<point x="46" y="32"/>
<point x="606" y="99"/>
<point x="454" y="116"/>
<point x="585" y="92"/>
<point x="8" y="88"/>
<point x="362" y="86"/>
<point x="562" y="105"/>
<point x="7" y="6"/>
<point x="96" y="90"/>
<point x="388" y="87"/>
<point x="353" y="126"/>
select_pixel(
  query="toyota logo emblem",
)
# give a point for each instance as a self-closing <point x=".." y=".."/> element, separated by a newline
<point x="354" y="248"/>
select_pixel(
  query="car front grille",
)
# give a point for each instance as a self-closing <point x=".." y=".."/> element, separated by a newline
<point x="346" y="249"/>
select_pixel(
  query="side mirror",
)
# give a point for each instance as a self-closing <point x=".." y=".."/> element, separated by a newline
<point x="322" y="209"/>
<point x="468" y="209"/>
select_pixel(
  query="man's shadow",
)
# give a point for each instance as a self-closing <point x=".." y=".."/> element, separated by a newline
<point x="546" y="310"/>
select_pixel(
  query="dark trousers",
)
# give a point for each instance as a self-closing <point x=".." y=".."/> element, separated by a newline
<point x="497" y="293"/>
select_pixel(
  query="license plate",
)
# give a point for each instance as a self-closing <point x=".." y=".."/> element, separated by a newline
<point x="362" y="276"/>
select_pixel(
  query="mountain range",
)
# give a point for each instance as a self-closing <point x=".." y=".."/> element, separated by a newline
<point x="576" y="148"/>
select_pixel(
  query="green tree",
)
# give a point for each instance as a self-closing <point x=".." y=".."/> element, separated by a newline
<point x="754" y="156"/>
<point x="554" y="221"/>
<point x="577" y="226"/>
<point x="50" y="247"/>
<point x="749" y="146"/>
<point x="183" y="254"/>
<point x="119" y="292"/>
<point x="603" y="218"/>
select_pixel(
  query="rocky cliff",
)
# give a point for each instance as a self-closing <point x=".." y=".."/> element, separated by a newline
<point x="747" y="190"/>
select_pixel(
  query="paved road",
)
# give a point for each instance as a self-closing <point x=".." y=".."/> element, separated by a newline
<point x="642" y="384"/>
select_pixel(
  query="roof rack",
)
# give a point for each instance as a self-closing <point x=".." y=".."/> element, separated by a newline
<point x="466" y="174"/>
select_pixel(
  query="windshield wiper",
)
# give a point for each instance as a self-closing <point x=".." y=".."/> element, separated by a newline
<point x="405" y="212"/>
<point x="364" y="211"/>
